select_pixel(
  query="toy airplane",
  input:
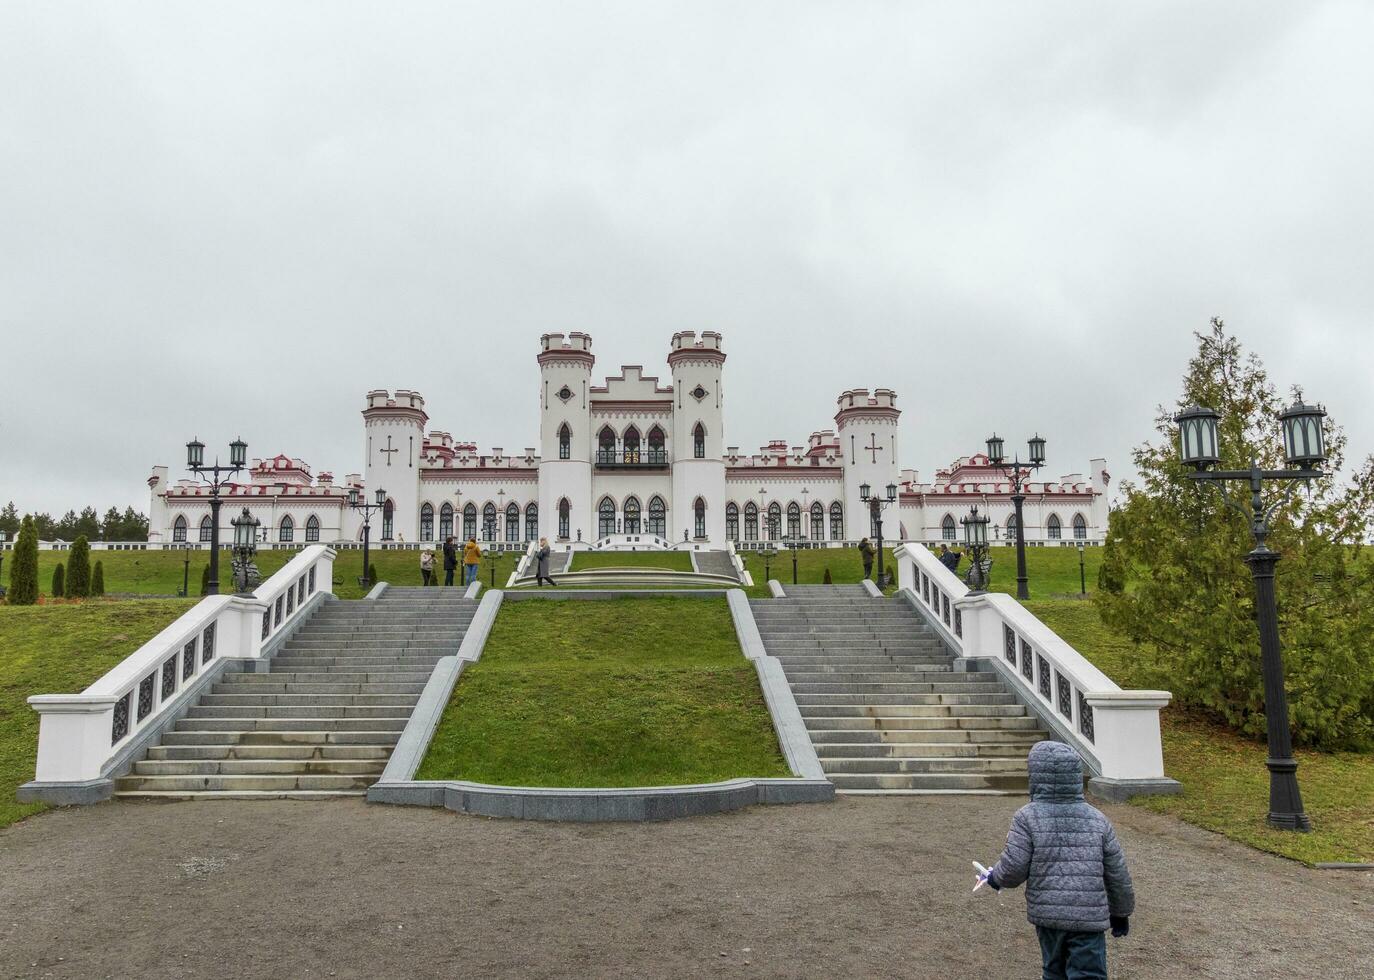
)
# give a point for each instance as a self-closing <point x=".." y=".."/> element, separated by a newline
<point x="982" y="875"/>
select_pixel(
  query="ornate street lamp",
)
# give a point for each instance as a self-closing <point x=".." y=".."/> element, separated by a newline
<point x="976" y="543"/>
<point x="1305" y="451"/>
<point x="793" y="545"/>
<point x="357" y="501"/>
<point x="1082" y="574"/>
<point x="245" y="547"/>
<point x="4" y="536"/>
<point x="186" y="571"/>
<point x="768" y="552"/>
<point x="875" y="509"/>
<point x="216" y="476"/>
<point x="1018" y="473"/>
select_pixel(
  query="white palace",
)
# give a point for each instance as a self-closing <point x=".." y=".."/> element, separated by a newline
<point x="630" y="462"/>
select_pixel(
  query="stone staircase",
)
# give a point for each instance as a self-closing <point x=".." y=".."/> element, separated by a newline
<point x="323" y="721"/>
<point x="715" y="563"/>
<point x="884" y="708"/>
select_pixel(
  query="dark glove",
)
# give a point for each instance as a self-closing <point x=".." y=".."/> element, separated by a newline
<point x="992" y="883"/>
<point x="1121" y="925"/>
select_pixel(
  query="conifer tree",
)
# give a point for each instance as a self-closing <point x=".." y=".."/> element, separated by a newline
<point x="23" y="590"/>
<point x="9" y="520"/>
<point x="205" y="580"/>
<point x="79" y="569"/>
<point x="372" y="573"/>
<point x="58" y="589"/>
<point x="98" y="579"/>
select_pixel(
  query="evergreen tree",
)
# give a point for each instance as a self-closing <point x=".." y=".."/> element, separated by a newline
<point x="58" y="589"/>
<point x="827" y="579"/>
<point x="79" y="569"/>
<point x="133" y="526"/>
<point x="44" y="527"/>
<point x="98" y="579"/>
<point x="88" y="523"/>
<point x="110" y="525"/>
<point x="205" y="580"/>
<point x="23" y="589"/>
<point x="372" y="573"/>
<point x="66" y="527"/>
<point x="9" y="521"/>
<point x="1175" y="582"/>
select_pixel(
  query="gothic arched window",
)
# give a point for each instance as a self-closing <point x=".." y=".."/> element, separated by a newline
<point x="732" y="521"/>
<point x="179" y="529"/>
<point x="605" y="445"/>
<point x="699" y="513"/>
<point x="532" y="522"/>
<point x="793" y="521"/>
<point x="751" y="521"/>
<point x="388" y="520"/>
<point x="630" y="445"/>
<point x="774" y="521"/>
<point x="947" y="528"/>
<point x="445" y="522"/>
<point x="699" y="442"/>
<point x="564" y="442"/>
<point x="312" y="528"/>
<point x="287" y="529"/>
<point x="605" y="518"/>
<point x="1053" y="528"/>
<point x="836" y="521"/>
<point x="1011" y="528"/>
<point x="564" y="514"/>
<point x="657" y="453"/>
<point x="631" y="513"/>
<point x="207" y="528"/>
<point x="489" y="522"/>
<point x="469" y="522"/>
<point x="817" y="521"/>
<point x="658" y="516"/>
<point x="512" y="521"/>
<point x="427" y="522"/>
<point x="1080" y="527"/>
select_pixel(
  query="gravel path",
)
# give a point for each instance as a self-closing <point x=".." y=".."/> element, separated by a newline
<point x="863" y="887"/>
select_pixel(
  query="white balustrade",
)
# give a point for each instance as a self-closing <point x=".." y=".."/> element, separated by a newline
<point x="1117" y="731"/>
<point x="80" y="735"/>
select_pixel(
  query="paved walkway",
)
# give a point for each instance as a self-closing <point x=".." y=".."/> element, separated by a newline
<point x="863" y="887"/>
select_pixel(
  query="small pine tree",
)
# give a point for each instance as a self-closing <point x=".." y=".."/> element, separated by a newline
<point x="23" y="589"/>
<point x="98" y="579"/>
<point x="205" y="580"/>
<point x="372" y="573"/>
<point x="79" y="569"/>
<point x="827" y="579"/>
<point x="58" y="589"/>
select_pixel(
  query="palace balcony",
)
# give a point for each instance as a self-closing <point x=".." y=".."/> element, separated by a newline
<point x="632" y="459"/>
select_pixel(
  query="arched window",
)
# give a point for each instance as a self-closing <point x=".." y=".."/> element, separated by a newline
<point x="388" y="520"/>
<point x="699" y="442"/>
<point x="179" y="529"/>
<point x="1053" y="528"/>
<point x="564" y="516"/>
<point x="532" y="522"/>
<point x="751" y="521"/>
<point x="793" y="521"/>
<point x="657" y="453"/>
<point x="489" y="522"/>
<point x="774" y="521"/>
<point x="699" y="512"/>
<point x="469" y="522"/>
<point x="207" y="528"/>
<point x="732" y="521"/>
<point x="605" y="518"/>
<point x="605" y="442"/>
<point x="630" y="445"/>
<point x="1080" y="527"/>
<point x="564" y="442"/>
<point x="658" y="516"/>
<point x="312" y="528"/>
<point x="287" y="529"/>
<point x="947" y="528"/>
<point x="631" y="513"/>
<point x="427" y="522"/>
<point x="817" y="521"/>
<point x="1011" y="528"/>
<point x="512" y="521"/>
<point x="445" y="522"/>
<point x="836" y="521"/>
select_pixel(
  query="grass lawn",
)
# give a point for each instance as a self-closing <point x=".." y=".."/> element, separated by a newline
<point x="1225" y="784"/>
<point x="624" y="692"/>
<point x="846" y="568"/>
<point x="60" y="649"/>
<point x="673" y="561"/>
<point x="1053" y="572"/>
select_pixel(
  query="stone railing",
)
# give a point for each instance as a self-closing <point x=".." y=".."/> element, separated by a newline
<point x="83" y="738"/>
<point x="1116" y="731"/>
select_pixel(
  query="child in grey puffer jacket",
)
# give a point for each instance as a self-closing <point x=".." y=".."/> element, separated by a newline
<point x="1067" y="853"/>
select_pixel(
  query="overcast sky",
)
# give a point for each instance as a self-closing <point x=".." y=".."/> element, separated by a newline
<point x="235" y="219"/>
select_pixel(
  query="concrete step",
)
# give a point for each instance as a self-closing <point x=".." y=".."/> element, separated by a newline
<point x="331" y="677"/>
<point x="967" y="766"/>
<point x="1006" y="782"/>
<point x="299" y="794"/>
<point x="1025" y="738"/>
<point x="291" y="687"/>
<point x="812" y="665"/>
<point x="298" y="752"/>
<point x="863" y="723"/>
<point x="913" y="711"/>
<point x="165" y="784"/>
<point x="310" y="736"/>
<point x="294" y="662"/>
<point x="876" y="699"/>
<point x="201" y="711"/>
<point x="892" y="688"/>
<point x="797" y="676"/>
<point x="260" y="767"/>
<point x="402" y="701"/>
<point x="291" y="725"/>
<point x="920" y="750"/>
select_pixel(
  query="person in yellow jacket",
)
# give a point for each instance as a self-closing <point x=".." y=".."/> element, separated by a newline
<point x="472" y="555"/>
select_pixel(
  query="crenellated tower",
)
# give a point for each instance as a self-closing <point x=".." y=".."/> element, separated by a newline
<point x="866" y="428"/>
<point x="394" y="430"/>
<point x="565" y="434"/>
<point x="698" y="446"/>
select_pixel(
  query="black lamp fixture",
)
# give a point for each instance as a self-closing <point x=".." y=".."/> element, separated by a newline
<point x="768" y="552"/>
<point x="976" y="543"/>
<point x="876" y="504"/>
<point x="216" y="476"/>
<point x="245" y="547"/>
<point x="1304" y="448"/>
<point x="1018" y="473"/>
<point x="357" y="501"/>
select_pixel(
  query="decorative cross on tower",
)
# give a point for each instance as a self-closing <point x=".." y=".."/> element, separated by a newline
<point x="388" y="450"/>
<point x="873" y="447"/>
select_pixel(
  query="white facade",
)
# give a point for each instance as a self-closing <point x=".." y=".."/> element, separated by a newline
<point x="633" y="456"/>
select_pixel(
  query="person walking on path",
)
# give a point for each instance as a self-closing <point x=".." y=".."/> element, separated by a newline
<point x="950" y="559"/>
<point x="427" y="565"/>
<point x="450" y="560"/>
<point x="866" y="552"/>
<point x="472" y="557"/>
<point x="541" y="569"/>
<point x="1066" y="851"/>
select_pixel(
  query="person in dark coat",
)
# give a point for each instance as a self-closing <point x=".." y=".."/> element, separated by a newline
<point x="450" y="560"/>
<point x="950" y="559"/>
<point x="866" y="553"/>
<point x="1066" y="851"/>
<point x="541" y="558"/>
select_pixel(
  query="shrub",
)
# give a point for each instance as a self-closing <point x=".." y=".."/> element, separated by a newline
<point x="23" y="589"/>
<point x="827" y="579"/>
<point x="205" y="580"/>
<point x="98" y="579"/>
<point x="79" y="569"/>
<point x="372" y="573"/>
<point x="59" y="580"/>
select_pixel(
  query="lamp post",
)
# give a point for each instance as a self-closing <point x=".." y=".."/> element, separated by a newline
<point x="793" y="545"/>
<point x="1082" y="575"/>
<point x="4" y="536"/>
<point x="186" y="572"/>
<point x="768" y="553"/>
<point x="1018" y="473"/>
<point x="493" y="559"/>
<point x="1305" y="452"/>
<point x="357" y="501"/>
<point x="875" y="510"/>
<point x="245" y="547"/>
<point x="976" y="543"/>
<point x="806" y="513"/>
<point x="216" y="477"/>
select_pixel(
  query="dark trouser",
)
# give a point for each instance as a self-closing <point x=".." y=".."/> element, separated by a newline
<point x="1072" y="955"/>
<point x="425" y="573"/>
<point x="541" y="579"/>
<point x="448" y="576"/>
<point x="868" y="569"/>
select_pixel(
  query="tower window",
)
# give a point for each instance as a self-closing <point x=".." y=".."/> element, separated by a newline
<point x="564" y="441"/>
<point x="699" y="441"/>
<point x="388" y="521"/>
<point x="699" y="512"/>
<point x="605" y="518"/>
<point x="699" y="393"/>
<point x="565" y="393"/>
<point x="658" y="517"/>
<point x="732" y="521"/>
<point x="564" y="513"/>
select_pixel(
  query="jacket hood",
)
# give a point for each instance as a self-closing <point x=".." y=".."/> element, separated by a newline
<point x="1056" y="773"/>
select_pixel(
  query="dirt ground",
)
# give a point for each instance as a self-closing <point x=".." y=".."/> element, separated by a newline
<point x="859" y="888"/>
